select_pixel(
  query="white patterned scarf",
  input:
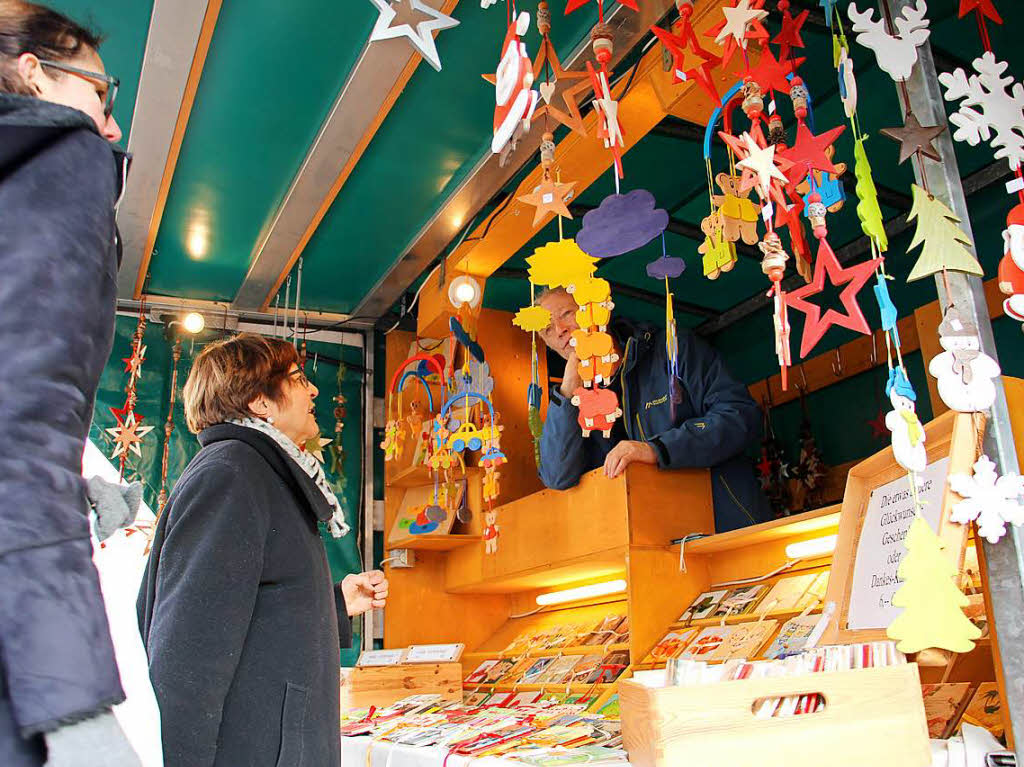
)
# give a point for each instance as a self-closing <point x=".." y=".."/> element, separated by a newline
<point x="309" y="464"/>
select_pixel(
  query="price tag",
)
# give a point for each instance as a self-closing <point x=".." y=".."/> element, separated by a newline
<point x="767" y="212"/>
<point x="1014" y="186"/>
<point x="381" y="658"/>
<point x="434" y="653"/>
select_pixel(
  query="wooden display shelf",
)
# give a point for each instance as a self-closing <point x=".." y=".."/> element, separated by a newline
<point x="546" y="653"/>
<point x="418" y="476"/>
<point x="732" y="620"/>
<point x="445" y="542"/>
<point x="598" y="689"/>
<point x="810" y="524"/>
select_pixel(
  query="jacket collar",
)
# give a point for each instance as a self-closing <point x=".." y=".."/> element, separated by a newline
<point x="634" y="338"/>
<point x="297" y="480"/>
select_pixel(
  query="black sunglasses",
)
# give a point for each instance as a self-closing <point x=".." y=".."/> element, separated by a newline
<point x="113" y="83"/>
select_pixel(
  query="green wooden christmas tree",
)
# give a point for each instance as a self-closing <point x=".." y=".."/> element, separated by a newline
<point x="938" y="228"/>
<point x="933" y="616"/>
<point x="868" y="211"/>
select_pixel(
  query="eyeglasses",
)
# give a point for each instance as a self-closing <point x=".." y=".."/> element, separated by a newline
<point x="113" y="83"/>
<point x="300" y="377"/>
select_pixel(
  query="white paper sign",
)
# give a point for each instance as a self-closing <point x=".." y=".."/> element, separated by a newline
<point x="880" y="548"/>
<point x="433" y="653"/>
<point x="381" y="657"/>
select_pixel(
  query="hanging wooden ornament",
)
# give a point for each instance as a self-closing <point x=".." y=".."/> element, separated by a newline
<point x="532" y="319"/>
<point x="128" y="435"/>
<point x="515" y="99"/>
<point x="575" y="5"/>
<point x="560" y="264"/>
<point x="609" y="129"/>
<point x="1011" y="265"/>
<point x="549" y="199"/>
<point x="690" y="62"/>
<point x="908" y="435"/>
<point x="742" y="23"/>
<point x="988" y="499"/>
<point x="598" y="410"/>
<point x="965" y="373"/>
<point x="739" y="214"/>
<point x="790" y="36"/>
<point x="944" y="241"/>
<point x="896" y="54"/>
<point x="774" y="75"/>
<point x="718" y="253"/>
<point x="622" y="223"/>
<point x="829" y="8"/>
<point x="847" y="82"/>
<point x="810" y="152"/>
<point x="868" y="210"/>
<point x="420" y="35"/>
<point x="764" y="164"/>
<point x="914" y="137"/>
<point x="826" y="265"/>
<point x="560" y="89"/>
<point x="982" y="7"/>
<point x="999" y="114"/>
<point x="933" y="614"/>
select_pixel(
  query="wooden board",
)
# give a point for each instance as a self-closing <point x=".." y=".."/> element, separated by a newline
<point x="415" y="500"/>
<point x="383" y="685"/>
<point x="871" y="717"/>
<point x="953" y="435"/>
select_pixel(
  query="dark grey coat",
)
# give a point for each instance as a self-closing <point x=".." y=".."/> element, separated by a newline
<point x="238" y="612"/>
<point x="59" y="182"/>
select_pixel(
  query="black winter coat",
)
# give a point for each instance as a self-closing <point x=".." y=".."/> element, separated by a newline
<point x="238" y="613"/>
<point x="59" y="183"/>
<point x="710" y="425"/>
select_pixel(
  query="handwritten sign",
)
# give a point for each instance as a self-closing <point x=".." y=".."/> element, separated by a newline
<point x="434" y="653"/>
<point x="381" y="657"/>
<point x="890" y="511"/>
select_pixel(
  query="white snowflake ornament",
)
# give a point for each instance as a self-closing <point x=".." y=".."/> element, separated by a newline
<point x="989" y="499"/>
<point x="1001" y="116"/>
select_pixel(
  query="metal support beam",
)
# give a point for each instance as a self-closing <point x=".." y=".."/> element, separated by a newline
<point x="487" y="177"/>
<point x="369" y="347"/>
<point x="175" y="30"/>
<point x="1004" y="559"/>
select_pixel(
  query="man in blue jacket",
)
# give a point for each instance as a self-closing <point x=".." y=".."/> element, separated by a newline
<point x="706" y="418"/>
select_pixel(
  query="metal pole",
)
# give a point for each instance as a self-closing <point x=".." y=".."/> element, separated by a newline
<point x="1005" y="563"/>
<point x="369" y="339"/>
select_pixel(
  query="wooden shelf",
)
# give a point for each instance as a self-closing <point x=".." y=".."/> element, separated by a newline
<point x="546" y="653"/>
<point x="536" y="687"/>
<point x="418" y="476"/>
<point x="732" y="620"/>
<point x="434" y="542"/>
<point x="779" y="529"/>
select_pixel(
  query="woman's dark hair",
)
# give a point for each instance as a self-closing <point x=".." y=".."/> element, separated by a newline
<point x="30" y="28"/>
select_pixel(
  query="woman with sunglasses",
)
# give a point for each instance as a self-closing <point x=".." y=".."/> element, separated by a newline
<point x="60" y="178"/>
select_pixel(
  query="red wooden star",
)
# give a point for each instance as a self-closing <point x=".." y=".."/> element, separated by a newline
<point x="689" y="60"/>
<point x="573" y="5"/>
<point x="878" y="427"/>
<point x="790" y="37"/>
<point x="809" y="152"/>
<point x="755" y="31"/>
<point x="764" y="468"/>
<point x="984" y="7"/>
<point x="771" y="74"/>
<point x="120" y="413"/>
<point x="133" y="364"/>
<point x="854" y="277"/>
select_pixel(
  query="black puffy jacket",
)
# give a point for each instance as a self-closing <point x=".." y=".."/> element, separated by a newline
<point x="59" y="184"/>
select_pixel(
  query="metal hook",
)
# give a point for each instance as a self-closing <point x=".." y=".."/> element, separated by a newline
<point x="837" y="363"/>
<point x="874" y="352"/>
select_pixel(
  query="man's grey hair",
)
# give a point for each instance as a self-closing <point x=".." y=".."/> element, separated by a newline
<point x="549" y="292"/>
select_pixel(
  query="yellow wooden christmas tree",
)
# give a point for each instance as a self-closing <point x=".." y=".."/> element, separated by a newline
<point x="933" y="616"/>
<point x="868" y="210"/>
<point x="938" y="228"/>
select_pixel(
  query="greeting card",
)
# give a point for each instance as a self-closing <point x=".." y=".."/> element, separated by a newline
<point x="704" y="605"/>
<point x="740" y="601"/>
<point x="673" y="643"/>
<point x="480" y="674"/>
<point x="706" y="643"/>
<point x="533" y="674"/>
<point x="943" y="704"/>
<point x="561" y="670"/>
<point x="985" y="709"/>
<point x="792" y="637"/>
<point x="745" y="640"/>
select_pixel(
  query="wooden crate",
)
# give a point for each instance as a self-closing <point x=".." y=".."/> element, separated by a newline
<point x="871" y="717"/>
<point x="383" y="685"/>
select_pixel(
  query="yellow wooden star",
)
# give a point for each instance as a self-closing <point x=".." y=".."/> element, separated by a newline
<point x="549" y="197"/>
<point x="127" y="436"/>
<point x="315" y="447"/>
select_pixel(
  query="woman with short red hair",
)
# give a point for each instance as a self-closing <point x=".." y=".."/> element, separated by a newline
<point x="241" y="620"/>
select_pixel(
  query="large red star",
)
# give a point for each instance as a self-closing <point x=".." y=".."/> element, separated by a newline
<point x="790" y="36"/>
<point x="689" y="60"/>
<point x="809" y="152"/>
<point x="755" y="31"/>
<point x="854" y="277"/>
<point x="771" y="74"/>
<point x="984" y="7"/>
<point x="573" y="5"/>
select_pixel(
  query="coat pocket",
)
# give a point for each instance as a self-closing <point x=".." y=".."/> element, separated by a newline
<point x="293" y="725"/>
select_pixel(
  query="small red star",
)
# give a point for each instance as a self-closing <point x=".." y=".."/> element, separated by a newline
<point x="878" y="427"/>
<point x="771" y="74"/>
<point x="689" y="60"/>
<point x="764" y="468"/>
<point x="790" y="36"/>
<point x="984" y="7"/>
<point x="120" y="413"/>
<point x="809" y="152"/>
<point x="854" y="277"/>
<point x="133" y="364"/>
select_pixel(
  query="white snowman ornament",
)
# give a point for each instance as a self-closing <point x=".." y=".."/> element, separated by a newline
<point x="907" y="432"/>
<point x="964" y="372"/>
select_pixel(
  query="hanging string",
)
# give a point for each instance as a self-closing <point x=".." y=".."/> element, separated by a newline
<point x="298" y="294"/>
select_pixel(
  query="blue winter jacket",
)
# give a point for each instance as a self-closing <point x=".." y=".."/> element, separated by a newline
<point x="711" y="424"/>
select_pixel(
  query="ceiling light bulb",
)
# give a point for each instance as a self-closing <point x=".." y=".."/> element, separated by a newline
<point x="194" y="322"/>
<point x="463" y="291"/>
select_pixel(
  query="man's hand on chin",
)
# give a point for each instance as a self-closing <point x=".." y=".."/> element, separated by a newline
<point x="627" y="452"/>
<point x="571" y="380"/>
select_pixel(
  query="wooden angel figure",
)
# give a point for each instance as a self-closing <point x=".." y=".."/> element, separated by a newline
<point x="491" y="532"/>
<point x="491" y="486"/>
<point x="392" y="444"/>
<point x="907" y="432"/>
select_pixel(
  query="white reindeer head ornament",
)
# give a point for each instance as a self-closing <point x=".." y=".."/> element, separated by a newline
<point x="896" y="55"/>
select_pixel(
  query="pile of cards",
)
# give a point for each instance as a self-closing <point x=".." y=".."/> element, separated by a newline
<point x="791" y="594"/>
<point x="592" y="668"/>
<point x="613" y="629"/>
